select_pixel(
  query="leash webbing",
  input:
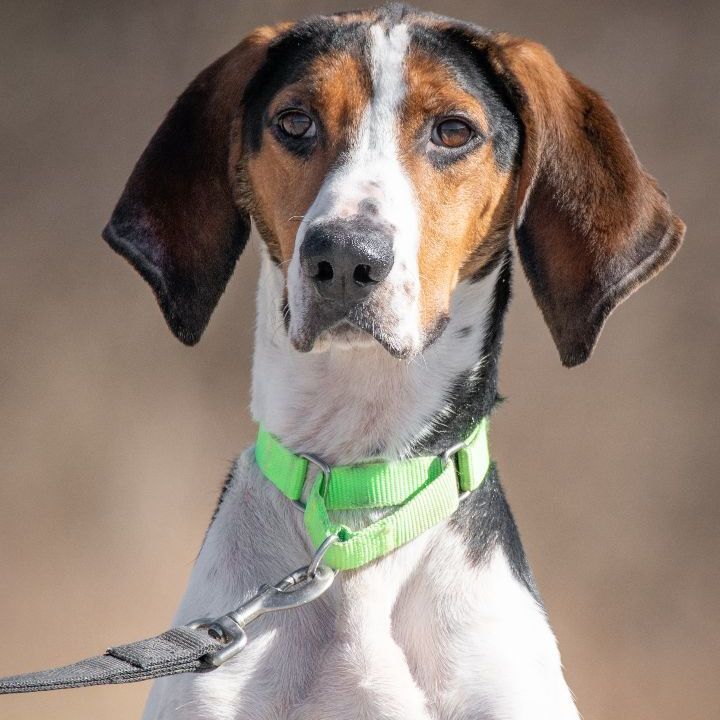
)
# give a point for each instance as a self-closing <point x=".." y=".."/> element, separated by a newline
<point x="423" y="490"/>
<point x="176" y="651"/>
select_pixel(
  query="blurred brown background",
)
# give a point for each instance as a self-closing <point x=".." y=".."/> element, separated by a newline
<point x="114" y="438"/>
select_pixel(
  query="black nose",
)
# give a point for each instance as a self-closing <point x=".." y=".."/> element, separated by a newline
<point x="346" y="259"/>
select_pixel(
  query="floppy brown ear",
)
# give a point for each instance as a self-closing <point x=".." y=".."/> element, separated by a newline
<point x="591" y="224"/>
<point x="176" y="221"/>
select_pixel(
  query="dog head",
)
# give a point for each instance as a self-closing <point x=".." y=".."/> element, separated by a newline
<point x="385" y="156"/>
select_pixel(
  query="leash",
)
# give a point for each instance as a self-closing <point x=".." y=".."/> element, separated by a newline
<point x="199" y="646"/>
<point x="422" y="491"/>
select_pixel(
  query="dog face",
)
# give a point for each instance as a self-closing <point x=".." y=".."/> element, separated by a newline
<point x="385" y="156"/>
<point x="376" y="161"/>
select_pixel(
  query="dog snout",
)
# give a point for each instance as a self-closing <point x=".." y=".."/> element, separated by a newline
<point x="346" y="259"/>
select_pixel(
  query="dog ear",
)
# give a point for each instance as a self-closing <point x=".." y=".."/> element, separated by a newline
<point x="176" y="221"/>
<point x="591" y="224"/>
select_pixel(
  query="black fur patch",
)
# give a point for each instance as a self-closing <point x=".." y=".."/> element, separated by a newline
<point x="485" y="521"/>
<point x="223" y="492"/>
<point x="474" y="394"/>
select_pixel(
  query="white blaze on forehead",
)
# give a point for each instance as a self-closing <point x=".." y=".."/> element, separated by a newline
<point x="379" y="149"/>
<point x="378" y="131"/>
<point x="373" y="170"/>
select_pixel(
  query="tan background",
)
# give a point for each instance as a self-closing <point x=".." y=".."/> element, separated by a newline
<point x="114" y="438"/>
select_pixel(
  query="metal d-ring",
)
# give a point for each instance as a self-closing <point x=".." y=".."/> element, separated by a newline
<point x="448" y="456"/>
<point x="451" y="452"/>
<point x="324" y="469"/>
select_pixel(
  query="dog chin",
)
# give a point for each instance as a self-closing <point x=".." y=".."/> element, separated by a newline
<point x="346" y="335"/>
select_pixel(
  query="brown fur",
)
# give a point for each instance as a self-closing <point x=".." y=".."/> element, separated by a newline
<point x="595" y="226"/>
<point x="283" y="186"/>
<point x="176" y="221"/>
<point x="461" y="206"/>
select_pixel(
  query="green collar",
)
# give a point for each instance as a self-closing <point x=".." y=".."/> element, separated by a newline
<point x="421" y="491"/>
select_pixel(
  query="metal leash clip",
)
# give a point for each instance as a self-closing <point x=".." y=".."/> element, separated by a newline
<point x="300" y="587"/>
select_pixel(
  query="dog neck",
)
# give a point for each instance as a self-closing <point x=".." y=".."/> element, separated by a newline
<point x="349" y="405"/>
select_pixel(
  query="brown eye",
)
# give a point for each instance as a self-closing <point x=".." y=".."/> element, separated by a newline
<point x="452" y="133"/>
<point x="296" y="124"/>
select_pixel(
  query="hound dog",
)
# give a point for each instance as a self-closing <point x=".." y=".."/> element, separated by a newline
<point x="388" y="158"/>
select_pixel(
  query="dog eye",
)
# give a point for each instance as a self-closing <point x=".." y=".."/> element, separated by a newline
<point x="452" y="133"/>
<point x="296" y="124"/>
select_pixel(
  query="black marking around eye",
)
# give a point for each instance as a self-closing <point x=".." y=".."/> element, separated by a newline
<point x="287" y="61"/>
<point x="300" y="146"/>
<point x="443" y="157"/>
<point x="470" y="66"/>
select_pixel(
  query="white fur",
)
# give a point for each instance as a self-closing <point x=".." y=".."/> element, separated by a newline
<point x="373" y="170"/>
<point x="422" y="633"/>
<point x="372" y="398"/>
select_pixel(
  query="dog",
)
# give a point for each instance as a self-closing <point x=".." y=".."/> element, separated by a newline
<point x="390" y="160"/>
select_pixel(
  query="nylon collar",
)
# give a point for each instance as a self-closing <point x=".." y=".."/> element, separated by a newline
<point x="420" y="491"/>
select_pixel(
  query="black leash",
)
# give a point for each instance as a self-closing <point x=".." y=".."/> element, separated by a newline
<point x="176" y="651"/>
<point x="200" y="646"/>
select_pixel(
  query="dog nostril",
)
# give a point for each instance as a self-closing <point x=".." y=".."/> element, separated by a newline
<point x="361" y="275"/>
<point x="324" y="271"/>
